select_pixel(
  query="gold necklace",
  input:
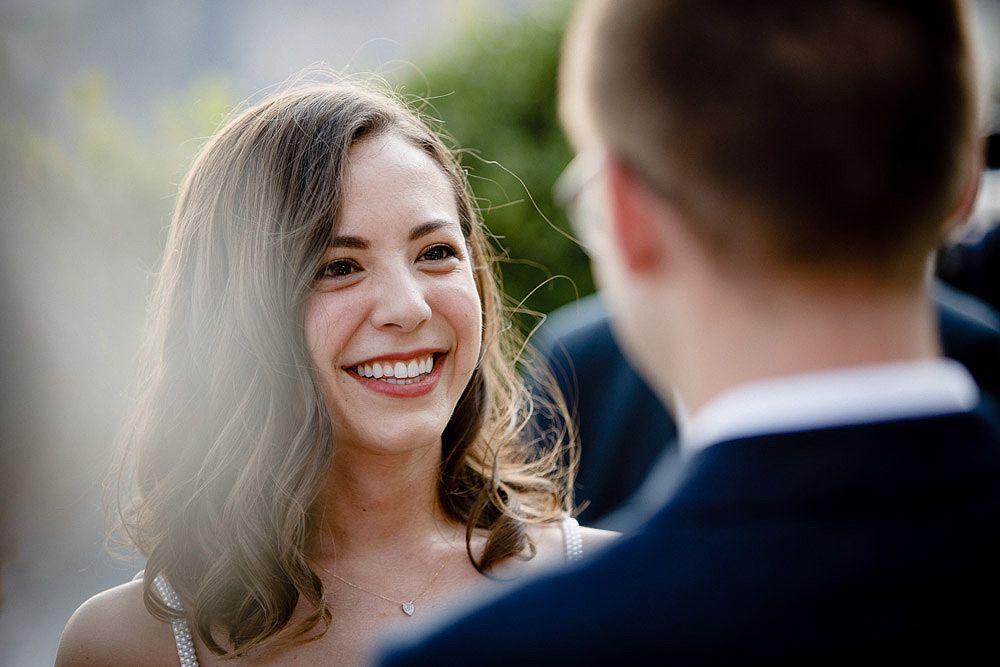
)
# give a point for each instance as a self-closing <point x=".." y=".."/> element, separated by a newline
<point x="407" y="607"/>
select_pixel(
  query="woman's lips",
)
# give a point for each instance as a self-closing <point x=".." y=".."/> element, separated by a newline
<point x="401" y="378"/>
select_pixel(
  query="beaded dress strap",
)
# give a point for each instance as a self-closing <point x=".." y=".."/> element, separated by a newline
<point x="572" y="539"/>
<point x="182" y="632"/>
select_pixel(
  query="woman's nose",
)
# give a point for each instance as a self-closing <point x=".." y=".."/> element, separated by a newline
<point x="400" y="303"/>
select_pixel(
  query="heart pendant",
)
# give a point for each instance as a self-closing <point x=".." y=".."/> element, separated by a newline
<point x="408" y="608"/>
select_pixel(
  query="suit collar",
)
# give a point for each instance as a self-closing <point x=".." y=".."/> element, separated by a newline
<point x="836" y="397"/>
<point x="898" y="464"/>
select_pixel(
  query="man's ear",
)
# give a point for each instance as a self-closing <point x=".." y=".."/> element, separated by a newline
<point x="970" y="188"/>
<point x="634" y="225"/>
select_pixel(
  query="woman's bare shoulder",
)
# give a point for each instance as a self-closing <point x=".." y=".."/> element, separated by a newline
<point x="596" y="538"/>
<point x="114" y="628"/>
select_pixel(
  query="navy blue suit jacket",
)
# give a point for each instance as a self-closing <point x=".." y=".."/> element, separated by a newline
<point x="623" y="427"/>
<point x="874" y="540"/>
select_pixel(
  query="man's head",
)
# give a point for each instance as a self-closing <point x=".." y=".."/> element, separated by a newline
<point x="771" y="178"/>
<point x="816" y="137"/>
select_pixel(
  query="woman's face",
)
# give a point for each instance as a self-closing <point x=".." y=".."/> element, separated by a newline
<point x="394" y="322"/>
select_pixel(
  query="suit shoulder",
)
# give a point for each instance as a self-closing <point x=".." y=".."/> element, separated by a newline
<point x="114" y="628"/>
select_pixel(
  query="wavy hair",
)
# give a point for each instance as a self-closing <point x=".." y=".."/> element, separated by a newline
<point x="230" y="440"/>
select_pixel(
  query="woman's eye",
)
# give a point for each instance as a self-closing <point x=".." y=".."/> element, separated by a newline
<point x="338" y="268"/>
<point x="438" y="252"/>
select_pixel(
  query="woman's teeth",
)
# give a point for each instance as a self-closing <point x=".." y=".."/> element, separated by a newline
<point x="397" y="372"/>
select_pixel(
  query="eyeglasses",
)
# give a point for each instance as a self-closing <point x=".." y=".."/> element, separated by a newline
<point x="574" y="190"/>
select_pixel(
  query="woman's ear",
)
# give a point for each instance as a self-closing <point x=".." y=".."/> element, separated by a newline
<point x="635" y="224"/>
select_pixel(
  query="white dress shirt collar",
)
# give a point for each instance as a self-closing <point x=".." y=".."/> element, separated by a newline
<point x="851" y="395"/>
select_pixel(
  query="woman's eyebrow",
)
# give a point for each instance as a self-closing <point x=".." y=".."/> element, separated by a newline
<point x="427" y="228"/>
<point x="349" y="242"/>
<point x="358" y="243"/>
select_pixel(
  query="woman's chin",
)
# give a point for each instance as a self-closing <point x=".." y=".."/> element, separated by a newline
<point x="410" y="439"/>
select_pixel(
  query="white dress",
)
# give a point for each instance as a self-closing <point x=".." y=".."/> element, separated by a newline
<point x="572" y="545"/>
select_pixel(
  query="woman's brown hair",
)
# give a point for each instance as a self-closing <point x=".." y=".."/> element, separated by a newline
<point x="230" y="439"/>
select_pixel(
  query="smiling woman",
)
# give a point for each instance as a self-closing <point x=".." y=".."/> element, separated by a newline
<point x="331" y="436"/>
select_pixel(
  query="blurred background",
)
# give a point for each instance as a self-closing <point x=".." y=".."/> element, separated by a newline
<point x="103" y="104"/>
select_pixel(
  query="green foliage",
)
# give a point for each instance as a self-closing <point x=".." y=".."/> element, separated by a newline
<point x="495" y="90"/>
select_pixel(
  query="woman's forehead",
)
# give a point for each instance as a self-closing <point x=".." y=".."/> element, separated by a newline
<point x="392" y="185"/>
<point x="390" y="156"/>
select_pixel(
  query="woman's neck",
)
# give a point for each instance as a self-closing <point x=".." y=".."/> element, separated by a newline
<point x="376" y="504"/>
